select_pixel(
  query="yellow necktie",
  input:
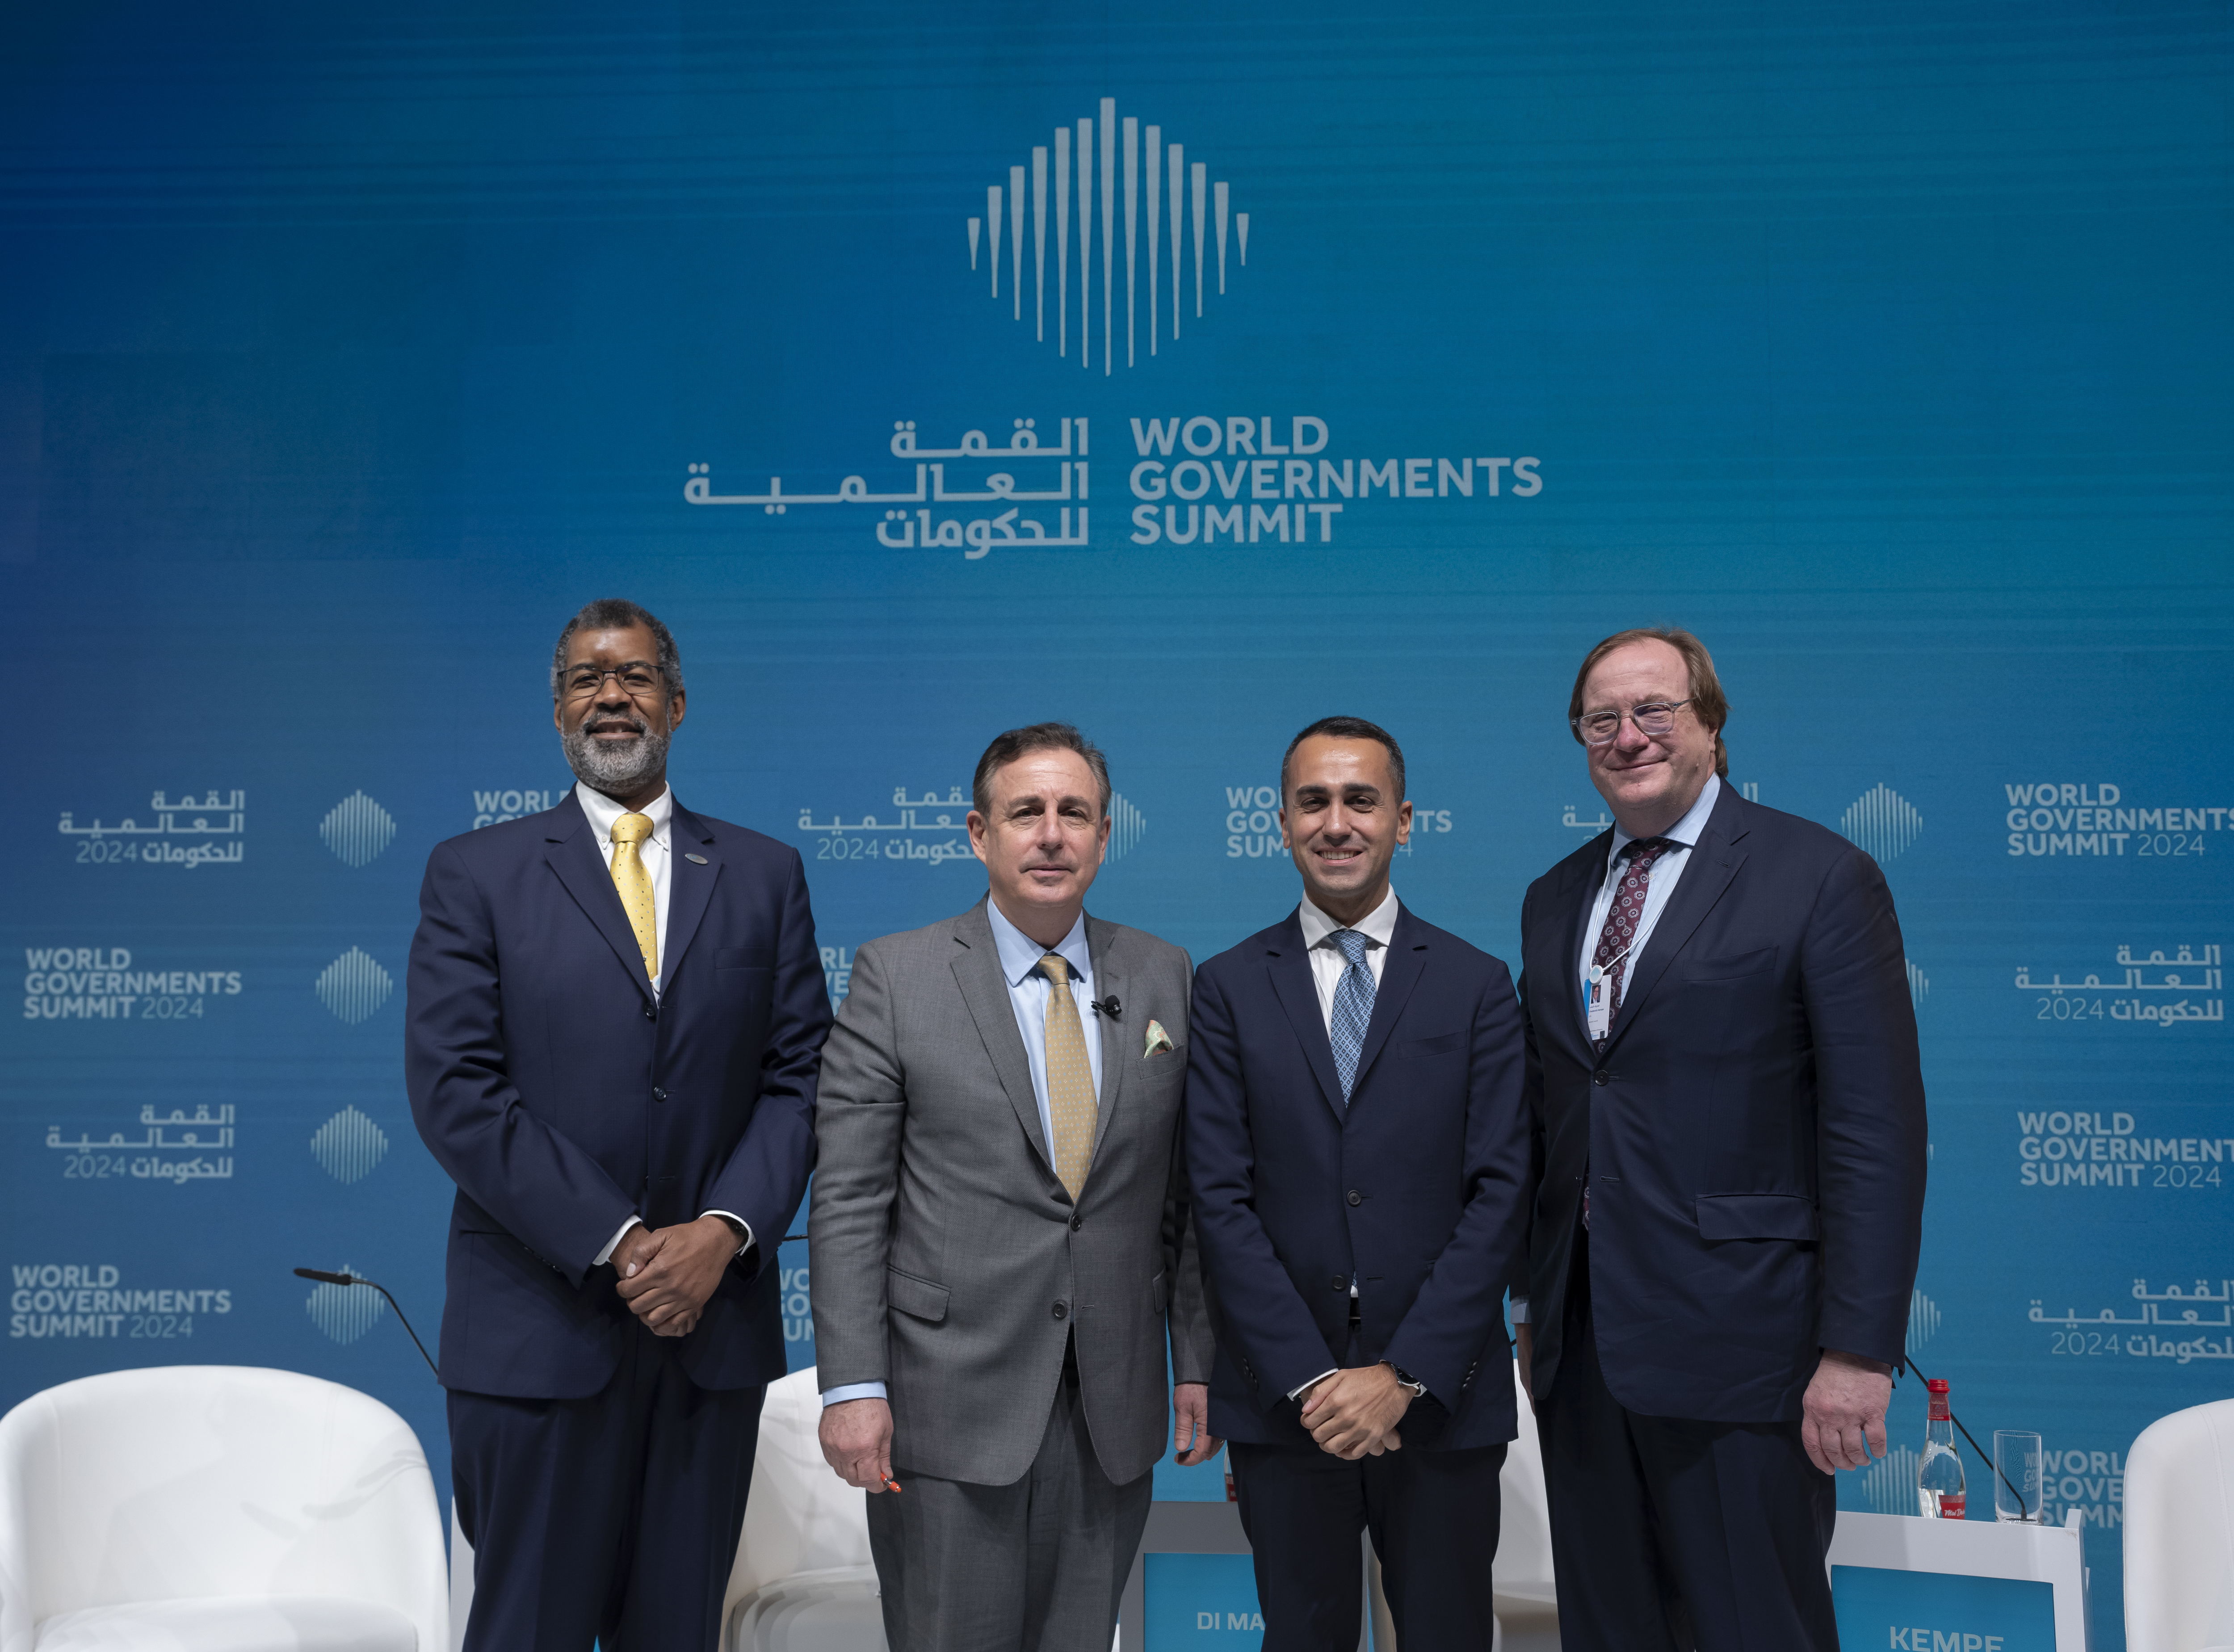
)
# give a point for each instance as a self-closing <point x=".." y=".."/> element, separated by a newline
<point x="1069" y="1080"/>
<point x="635" y="885"/>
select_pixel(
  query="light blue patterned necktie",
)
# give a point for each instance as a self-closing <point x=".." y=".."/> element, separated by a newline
<point x="1352" y="1007"/>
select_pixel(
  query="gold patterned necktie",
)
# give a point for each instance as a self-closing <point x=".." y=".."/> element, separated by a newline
<point x="1069" y="1080"/>
<point x="635" y="885"/>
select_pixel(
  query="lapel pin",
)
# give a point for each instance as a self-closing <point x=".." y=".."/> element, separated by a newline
<point x="697" y="859"/>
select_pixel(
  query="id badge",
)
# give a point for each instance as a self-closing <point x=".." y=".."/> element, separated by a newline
<point x="1598" y="1002"/>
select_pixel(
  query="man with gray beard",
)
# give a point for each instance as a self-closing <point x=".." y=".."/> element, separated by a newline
<point x="612" y="1042"/>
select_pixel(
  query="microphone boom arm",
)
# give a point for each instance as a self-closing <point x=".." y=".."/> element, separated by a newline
<point x="325" y="1278"/>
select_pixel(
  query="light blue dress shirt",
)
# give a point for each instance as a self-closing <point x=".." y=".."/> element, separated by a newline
<point x="1019" y="957"/>
<point x="1028" y="996"/>
<point x="1667" y="872"/>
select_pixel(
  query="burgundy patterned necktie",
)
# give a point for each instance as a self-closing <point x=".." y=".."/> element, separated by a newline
<point x="1618" y="937"/>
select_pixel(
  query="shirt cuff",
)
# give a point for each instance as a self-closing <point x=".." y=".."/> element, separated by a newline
<point x="853" y="1391"/>
<point x="1321" y="1377"/>
<point x="1517" y="1311"/>
<point x="613" y="1244"/>
<point x="730" y="1216"/>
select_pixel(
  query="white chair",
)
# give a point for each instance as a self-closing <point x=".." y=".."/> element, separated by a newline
<point x="1527" y="1601"/>
<point x="2179" y="1532"/>
<point x="803" y="1581"/>
<point x="1520" y="1577"/>
<point x="212" y="1508"/>
<point x="1522" y="1571"/>
<point x="461" y="1580"/>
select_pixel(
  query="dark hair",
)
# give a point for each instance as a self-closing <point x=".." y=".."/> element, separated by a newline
<point x="1038" y="737"/>
<point x="616" y="614"/>
<point x="1708" y="703"/>
<point x="1348" y="729"/>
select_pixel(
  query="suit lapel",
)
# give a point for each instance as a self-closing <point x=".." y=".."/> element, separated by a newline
<point x="977" y="972"/>
<point x="689" y="887"/>
<point x="581" y="869"/>
<point x="1583" y="892"/>
<point x="1715" y="861"/>
<point x="1108" y="983"/>
<point x="1399" y="973"/>
<point x="1289" y="965"/>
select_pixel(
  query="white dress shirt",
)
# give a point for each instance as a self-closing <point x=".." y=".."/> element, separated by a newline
<point x="1327" y="961"/>
<point x="657" y="853"/>
<point x="1029" y="991"/>
<point x="1328" y="964"/>
<point x="1667" y="871"/>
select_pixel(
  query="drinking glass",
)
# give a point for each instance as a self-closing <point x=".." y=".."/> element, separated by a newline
<point x="2017" y="1475"/>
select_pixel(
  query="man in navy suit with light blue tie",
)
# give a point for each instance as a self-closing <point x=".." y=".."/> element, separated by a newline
<point x="615" y="1026"/>
<point x="1357" y="1145"/>
<point x="1729" y="1110"/>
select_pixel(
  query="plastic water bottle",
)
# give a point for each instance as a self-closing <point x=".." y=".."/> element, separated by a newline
<point x="1939" y="1477"/>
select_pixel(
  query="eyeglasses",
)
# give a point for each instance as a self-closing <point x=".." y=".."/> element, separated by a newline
<point x="1653" y="719"/>
<point x="638" y="679"/>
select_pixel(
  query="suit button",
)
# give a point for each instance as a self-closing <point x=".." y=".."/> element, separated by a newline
<point x="1601" y="1076"/>
<point x="1338" y="1282"/>
<point x="1061" y="1310"/>
<point x="1077" y="1223"/>
<point x="658" y="1094"/>
<point x="650" y="1014"/>
<point x="1356" y="1197"/>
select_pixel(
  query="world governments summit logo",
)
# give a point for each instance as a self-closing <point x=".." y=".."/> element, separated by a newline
<point x="1196" y="202"/>
<point x="348" y="1145"/>
<point x="356" y="829"/>
<point x="1881" y="822"/>
<point x="343" y="1312"/>
<point x="354" y="985"/>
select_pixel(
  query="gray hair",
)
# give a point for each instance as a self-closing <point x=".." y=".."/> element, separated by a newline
<point x="614" y="614"/>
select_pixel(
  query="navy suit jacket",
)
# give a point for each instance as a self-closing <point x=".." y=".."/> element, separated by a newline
<point x="1416" y="1189"/>
<point x="1753" y="1132"/>
<point x="562" y="1098"/>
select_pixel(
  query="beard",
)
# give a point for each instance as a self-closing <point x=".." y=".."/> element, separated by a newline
<point x="614" y="768"/>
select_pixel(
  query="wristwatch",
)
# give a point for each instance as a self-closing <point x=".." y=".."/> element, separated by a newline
<point x="1406" y="1380"/>
<point x="737" y="1228"/>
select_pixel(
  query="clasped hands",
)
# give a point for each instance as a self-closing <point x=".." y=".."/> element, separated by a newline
<point x="1353" y="1414"/>
<point x="667" y="1274"/>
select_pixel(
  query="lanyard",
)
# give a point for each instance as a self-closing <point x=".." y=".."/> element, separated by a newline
<point x="1598" y="998"/>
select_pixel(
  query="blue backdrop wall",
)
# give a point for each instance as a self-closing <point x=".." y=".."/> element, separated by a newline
<point x="345" y="350"/>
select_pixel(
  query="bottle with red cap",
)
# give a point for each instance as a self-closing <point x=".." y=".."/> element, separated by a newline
<point x="1939" y="1477"/>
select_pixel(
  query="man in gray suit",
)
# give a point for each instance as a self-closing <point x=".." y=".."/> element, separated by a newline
<point x="1000" y="1233"/>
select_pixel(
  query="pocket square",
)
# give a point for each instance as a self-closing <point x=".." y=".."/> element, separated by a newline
<point x="1159" y="1042"/>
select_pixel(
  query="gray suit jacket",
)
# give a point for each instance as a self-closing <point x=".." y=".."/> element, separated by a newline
<point x="949" y="1263"/>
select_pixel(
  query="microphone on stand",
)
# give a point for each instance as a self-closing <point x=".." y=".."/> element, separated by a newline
<point x="325" y="1278"/>
<point x="1108" y="1006"/>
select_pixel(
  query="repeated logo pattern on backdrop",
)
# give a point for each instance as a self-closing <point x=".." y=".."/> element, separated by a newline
<point x="1187" y="377"/>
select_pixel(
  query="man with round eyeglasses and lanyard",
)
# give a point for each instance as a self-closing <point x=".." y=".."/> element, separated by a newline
<point x="1728" y="1107"/>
